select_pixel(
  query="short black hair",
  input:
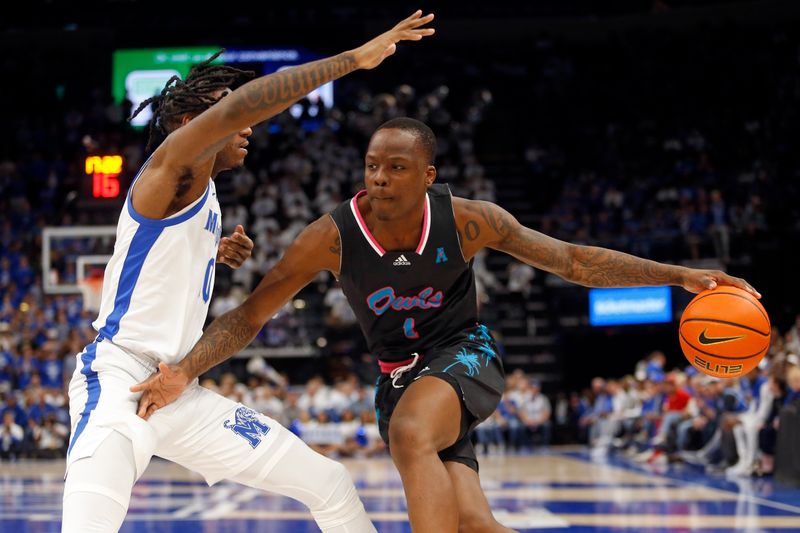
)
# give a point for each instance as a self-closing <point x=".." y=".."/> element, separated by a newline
<point x="421" y="131"/>
<point x="192" y="95"/>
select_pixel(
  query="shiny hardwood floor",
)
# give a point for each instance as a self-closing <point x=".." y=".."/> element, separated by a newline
<point x="564" y="489"/>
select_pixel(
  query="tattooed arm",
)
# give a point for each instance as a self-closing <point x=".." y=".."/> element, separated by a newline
<point x="185" y="158"/>
<point x="317" y="248"/>
<point x="483" y="224"/>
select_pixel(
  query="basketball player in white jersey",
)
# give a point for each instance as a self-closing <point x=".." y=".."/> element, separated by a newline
<point x="156" y="294"/>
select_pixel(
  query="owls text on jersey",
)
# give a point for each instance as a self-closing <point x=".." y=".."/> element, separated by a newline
<point x="158" y="283"/>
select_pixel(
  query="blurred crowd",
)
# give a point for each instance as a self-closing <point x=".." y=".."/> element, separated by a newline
<point x="691" y="161"/>
<point x="657" y="415"/>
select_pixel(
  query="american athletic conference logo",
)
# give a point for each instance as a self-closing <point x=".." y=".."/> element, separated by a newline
<point x="248" y="426"/>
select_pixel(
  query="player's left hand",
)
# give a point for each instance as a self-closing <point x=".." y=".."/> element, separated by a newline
<point x="234" y="250"/>
<point x="160" y="389"/>
<point x="372" y="53"/>
<point x="698" y="280"/>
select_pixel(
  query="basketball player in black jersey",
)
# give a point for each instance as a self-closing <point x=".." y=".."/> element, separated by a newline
<point x="402" y="250"/>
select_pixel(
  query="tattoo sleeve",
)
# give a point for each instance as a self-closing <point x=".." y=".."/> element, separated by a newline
<point x="264" y="97"/>
<point x="225" y="336"/>
<point x="601" y="267"/>
<point x="590" y="266"/>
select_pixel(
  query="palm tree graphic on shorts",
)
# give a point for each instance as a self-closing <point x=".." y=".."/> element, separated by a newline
<point x="472" y="361"/>
<point x="469" y="360"/>
<point x="481" y="335"/>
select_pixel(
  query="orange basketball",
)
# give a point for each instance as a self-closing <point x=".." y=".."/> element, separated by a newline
<point x="724" y="332"/>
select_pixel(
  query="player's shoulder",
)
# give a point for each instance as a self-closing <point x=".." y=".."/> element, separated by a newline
<point x="439" y="189"/>
<point x="307" y="253"/>
<point x="465" y="206"/>
<point x="320" y="231"/>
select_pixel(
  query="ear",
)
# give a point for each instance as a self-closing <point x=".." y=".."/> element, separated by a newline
<point x="430" y="175"/>
<point x="186" y="118"/>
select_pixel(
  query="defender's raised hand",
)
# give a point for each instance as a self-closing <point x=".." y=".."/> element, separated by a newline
<point x="371" y="54"/>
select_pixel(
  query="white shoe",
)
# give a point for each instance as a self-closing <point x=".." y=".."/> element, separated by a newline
<point x="740" y="469"/>
<point x="644" y="456"/>
<point x="693" y="458"/>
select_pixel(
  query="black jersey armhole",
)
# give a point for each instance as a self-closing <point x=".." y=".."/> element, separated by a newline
<point x="455" y="226"/>
<point x="341" y="247"/>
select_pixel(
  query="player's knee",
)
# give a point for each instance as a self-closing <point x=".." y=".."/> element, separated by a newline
<point x="336" y="477"/>
<point x="407" y="439"/>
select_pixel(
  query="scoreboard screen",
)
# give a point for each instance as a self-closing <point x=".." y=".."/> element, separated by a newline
<point x="138" y="74"/>
<point x="142" y="73"/>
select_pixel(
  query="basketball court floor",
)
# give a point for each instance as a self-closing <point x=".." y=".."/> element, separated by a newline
<point x="564" y="489"/>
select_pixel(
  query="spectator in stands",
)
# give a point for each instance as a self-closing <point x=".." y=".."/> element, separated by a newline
<point x="11" y="436"/>
<point x="520" y="277"/>
<point x="50" y="438"/>
<point x="534" y="413"/>
<point x="792" y="339"/>
<point x="598" y="418"/>
<point x="788" y="437"/>
<point x="489" y="433"/>
<point x="767" y="435"/>
<point x="718" y="227"/>
<point x="315" y="399"/>
<point x="677" y="407"/>
<point x="759" y="396"/>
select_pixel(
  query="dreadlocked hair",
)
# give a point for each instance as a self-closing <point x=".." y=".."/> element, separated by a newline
<point x="192" y="95"/>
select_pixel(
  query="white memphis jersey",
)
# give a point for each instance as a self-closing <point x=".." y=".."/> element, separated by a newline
<point x="158" y="283"/>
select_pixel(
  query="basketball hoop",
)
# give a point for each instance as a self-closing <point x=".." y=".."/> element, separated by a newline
<point x="92" y="289"/>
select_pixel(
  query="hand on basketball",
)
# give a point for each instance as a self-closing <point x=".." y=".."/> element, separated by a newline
<point x="234" y="250"/>
<point x="160" y="389"/>
<point x="697" y="281"/>
<point x="371" y="54"/>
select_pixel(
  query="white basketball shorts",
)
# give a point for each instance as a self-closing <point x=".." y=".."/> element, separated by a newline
<point x="201" y="430"/>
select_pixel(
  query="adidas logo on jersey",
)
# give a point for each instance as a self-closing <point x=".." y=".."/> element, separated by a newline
<point x="401" y="261"/>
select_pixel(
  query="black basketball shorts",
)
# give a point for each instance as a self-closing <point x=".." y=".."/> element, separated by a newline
<point x="472" y="366"/>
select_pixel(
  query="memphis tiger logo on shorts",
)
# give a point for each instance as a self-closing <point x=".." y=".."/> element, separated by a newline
<point x="247" y="425"/>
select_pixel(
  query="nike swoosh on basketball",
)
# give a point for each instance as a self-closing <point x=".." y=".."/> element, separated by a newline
<point x="715" y="340"/>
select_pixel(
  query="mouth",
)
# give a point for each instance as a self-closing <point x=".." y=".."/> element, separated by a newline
<point x="243" y="147"/>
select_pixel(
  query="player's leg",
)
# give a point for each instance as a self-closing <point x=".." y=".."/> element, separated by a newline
<point x="221" y="439"/>
<point x="474" y="513"/>
<point x="323" y="485"/>
<point x="426" y="420"/>
<point x="98" y="488"/>
<point x="110" y="446"/>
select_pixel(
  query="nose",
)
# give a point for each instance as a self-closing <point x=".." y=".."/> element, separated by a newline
<point x="245" y="133"/>
<point x="379" y="179"/>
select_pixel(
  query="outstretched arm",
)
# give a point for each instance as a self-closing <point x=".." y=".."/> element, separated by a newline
<point x="189" y="150"/>
<point x="484" y="224"/>
<point x="317" y="248"/>
<point x="267" y="96"/>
